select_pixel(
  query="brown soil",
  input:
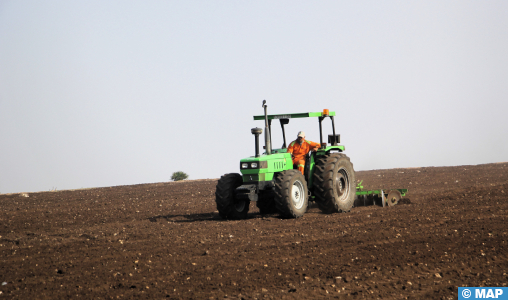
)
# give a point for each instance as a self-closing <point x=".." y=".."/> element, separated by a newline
<point x="167" y="240"/>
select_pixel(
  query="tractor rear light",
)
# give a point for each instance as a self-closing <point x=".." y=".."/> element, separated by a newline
<point x="245" y="165"/>
<point x="254" y="165"/>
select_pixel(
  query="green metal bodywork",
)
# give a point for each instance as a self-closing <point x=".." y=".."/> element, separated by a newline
<point x="278" y="161"/>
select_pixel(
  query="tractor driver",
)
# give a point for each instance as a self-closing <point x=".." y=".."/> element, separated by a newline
<point x="299" y="149"/>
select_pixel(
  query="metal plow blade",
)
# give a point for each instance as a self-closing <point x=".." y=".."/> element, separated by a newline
<point x="393" y="197"/>
<point x="368" y="200"/>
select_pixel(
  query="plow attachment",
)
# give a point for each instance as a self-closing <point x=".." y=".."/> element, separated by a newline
<point x="380" y="197"/>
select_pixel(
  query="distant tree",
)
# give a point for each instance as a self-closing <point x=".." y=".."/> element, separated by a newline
<point x="179" y="176"/>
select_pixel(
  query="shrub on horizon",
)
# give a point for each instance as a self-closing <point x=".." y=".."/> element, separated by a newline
<point x="179" y="176"/>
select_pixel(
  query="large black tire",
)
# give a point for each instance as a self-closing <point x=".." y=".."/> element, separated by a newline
<point x="266" y="203"/>
<point x="227" y="205"/>
<point x="334" y="183"/>
<point x="291" y="195"/>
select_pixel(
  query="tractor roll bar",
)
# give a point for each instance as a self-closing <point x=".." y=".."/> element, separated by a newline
<point x="282" y="123"/>
<point x="321" y="131"/>
<point x="284" y="119"/>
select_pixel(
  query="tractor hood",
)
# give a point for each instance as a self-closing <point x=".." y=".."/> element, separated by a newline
<point x="263" y="168"/>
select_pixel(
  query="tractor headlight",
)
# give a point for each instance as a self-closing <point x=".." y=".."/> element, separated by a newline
<point x="245" y="165"/>
<point x="254" y="165"/>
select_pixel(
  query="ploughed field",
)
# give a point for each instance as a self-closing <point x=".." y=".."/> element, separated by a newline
<point x="166" y="240"/>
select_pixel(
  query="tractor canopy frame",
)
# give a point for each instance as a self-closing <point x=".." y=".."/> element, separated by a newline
<point x="284" y="120"/>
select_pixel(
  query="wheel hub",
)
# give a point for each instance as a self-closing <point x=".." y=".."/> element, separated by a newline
<point x="297" y="194"/>
<point x="342" y="183"/>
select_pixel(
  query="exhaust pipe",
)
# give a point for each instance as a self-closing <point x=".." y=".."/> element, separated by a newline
<point x="267" y="132"/>
<point x="256" y="131"/>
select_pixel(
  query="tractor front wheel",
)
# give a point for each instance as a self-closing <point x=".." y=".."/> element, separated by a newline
<point x="291" y="196"/>
<point x="228" y="206"/>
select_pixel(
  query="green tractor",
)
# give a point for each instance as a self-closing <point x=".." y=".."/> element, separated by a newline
<point x="271" y="181"/>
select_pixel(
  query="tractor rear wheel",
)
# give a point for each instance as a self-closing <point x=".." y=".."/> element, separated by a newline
<point x="291" y="195"/>
<point x="334" y="183"/>
<point x="228" y="206"/>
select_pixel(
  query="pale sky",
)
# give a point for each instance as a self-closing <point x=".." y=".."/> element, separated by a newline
<point x="104" y="93"/>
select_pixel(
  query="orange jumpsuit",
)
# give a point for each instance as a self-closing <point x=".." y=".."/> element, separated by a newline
<point x="298" y="152"/>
